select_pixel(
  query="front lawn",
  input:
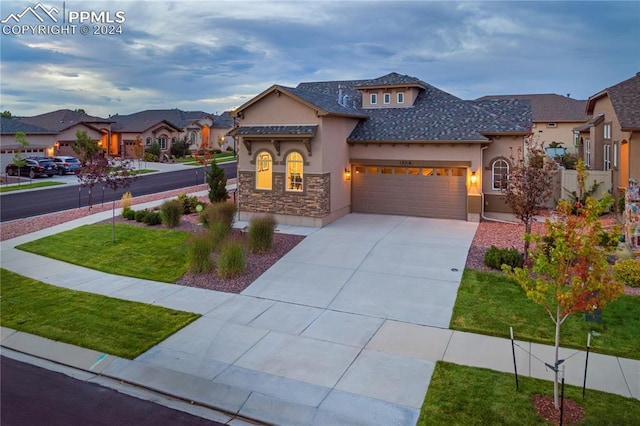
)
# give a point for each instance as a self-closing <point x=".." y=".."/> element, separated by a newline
<point x="113" y="326"/>
<point x="489" y="303"/>
<point x="460" y="395"/>
<point x="153" y="254"/>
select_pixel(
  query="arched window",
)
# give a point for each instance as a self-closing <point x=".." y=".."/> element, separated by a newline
<point x="499" y="174"/>
<point x="295" y="168"/>
<point x="263" y="171"/>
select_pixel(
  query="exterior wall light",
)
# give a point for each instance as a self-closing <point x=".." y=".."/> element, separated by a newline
<point x="347" y="174"/>
<point x="474" y="178"/>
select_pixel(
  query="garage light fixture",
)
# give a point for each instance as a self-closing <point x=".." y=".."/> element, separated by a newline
<point x="474" y="178"/>
<point x="347" y="174"/>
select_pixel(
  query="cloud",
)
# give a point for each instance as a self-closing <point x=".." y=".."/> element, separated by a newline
<point x="215" y="55"/>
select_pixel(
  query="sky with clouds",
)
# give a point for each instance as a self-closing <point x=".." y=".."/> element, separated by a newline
<point x="213" y="56"/>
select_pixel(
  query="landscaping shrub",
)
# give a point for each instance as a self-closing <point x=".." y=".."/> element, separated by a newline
<point x="153" y="219"/>
<point x="621" y="204"/>
<point x="179" y="149"/>
<point x="218" y="212"/>
<point x="627" y="271"/>
<point x="140" y="215"/>
<point x="129" y="214"/>
<point x="260" y="233"/>
<point x="153" y="149"/>
<point x="495" y="258"/>
<point x="217" y="183"/>
<point x="229" y="149"/>
<point x="189" y="203"/>
<point x="231" y="260"/>
<point x="199" y="254"/>
<point x="218" y="232"/>
<point x="152" y="158"/>
<point x="170" y="213"/>
<point x="125" y="202"/>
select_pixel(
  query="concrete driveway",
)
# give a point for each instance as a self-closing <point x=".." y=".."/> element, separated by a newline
<point x="333" y="333"/>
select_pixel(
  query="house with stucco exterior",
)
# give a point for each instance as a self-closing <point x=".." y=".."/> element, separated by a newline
<point x="391" y="145"/>
<point x="610" y="141"/>
<point x="554" y="117"/>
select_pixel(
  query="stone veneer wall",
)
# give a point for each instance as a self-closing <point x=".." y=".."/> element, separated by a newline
<point x="313" y="201"/>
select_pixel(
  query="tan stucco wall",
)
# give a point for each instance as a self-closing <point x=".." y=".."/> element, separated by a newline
<point x="410" y="95"/>
<point x="563" y="132"/>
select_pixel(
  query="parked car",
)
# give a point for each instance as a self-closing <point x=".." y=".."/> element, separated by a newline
<point x="34" y="167"/>
<point x="67" y="164"/>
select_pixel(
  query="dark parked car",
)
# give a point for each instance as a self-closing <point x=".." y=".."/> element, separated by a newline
<point x="67" y="164"/>
<point x="34" y="167"/>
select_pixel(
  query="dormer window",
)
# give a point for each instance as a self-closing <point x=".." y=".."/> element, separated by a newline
<point x="387" y="98"/>
<point x="400" y="97"/>
<point x="373" y="98"/>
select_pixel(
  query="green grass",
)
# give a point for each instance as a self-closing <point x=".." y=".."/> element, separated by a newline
<point x="141" y="171"/>
<point x="489" y="303"/>
<point x="149" y="253"/>
<point x="460" y="395"/>
<point x="29" y="186"/>
<point x="117" y="327"/>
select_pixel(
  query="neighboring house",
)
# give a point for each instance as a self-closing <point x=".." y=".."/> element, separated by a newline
<point x="165" y="126"/>
<point x="41" y="141"/>
<point x="611" y="139"/>
<point x="220" y="131"/>
<point x="53" y="133"/>
<point x="391" y="145"/>
<point x="554" y="117"/>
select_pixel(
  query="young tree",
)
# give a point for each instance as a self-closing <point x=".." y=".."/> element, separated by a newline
<point x="21" y="138"/>
<point x="569" y="272"/>
<point x="6" y="114"/>
<point x="85" y="147"/>
<point x="529" y="184"/>
<point x="217" y="183"/>
<point x="98" y="171"/>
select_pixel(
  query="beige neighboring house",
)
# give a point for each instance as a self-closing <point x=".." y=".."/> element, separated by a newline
<point x="554" y="117"/>
<point x="610" y="141"/>
<point x="51" y="133"/>
<point x="389" y="145"/>
<point x="165" y="126"/>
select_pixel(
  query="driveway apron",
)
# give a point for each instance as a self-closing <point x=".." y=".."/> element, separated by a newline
<point x="301" y="345"/>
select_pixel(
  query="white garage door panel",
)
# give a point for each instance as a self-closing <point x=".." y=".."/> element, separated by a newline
<point x="411" y="195"/>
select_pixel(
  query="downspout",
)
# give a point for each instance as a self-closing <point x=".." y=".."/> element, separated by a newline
<point x="490" y="219"/>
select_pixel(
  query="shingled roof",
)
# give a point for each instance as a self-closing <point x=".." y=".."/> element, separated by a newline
<point x="144" y="120"/>
<point x="11" y="126"/>
<point x="625" y="98"/>
<point x="435" y="116"/>
<point x="62" y="119"/>
<point x="549" y="107"/>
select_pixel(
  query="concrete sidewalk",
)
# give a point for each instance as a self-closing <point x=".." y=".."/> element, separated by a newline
<point x="326" y="336"/>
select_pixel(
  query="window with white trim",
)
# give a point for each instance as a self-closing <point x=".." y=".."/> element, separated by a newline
<point x="607" y="158"/>
<point x="295" y="168"/>
<point x="162" y="140"/>
<point x="148" y="141"/>
<point x="373" y="98"/>
<point x="263" y="171"/>
<point x="387" y="98"/>
<point x="606" y="129"/>
<point x="400" y="97"/>
<point x="576" y="138"/>
<point x="499" y="174"/>
<point x="587" y="152"/>
<point x="615" y="154"/>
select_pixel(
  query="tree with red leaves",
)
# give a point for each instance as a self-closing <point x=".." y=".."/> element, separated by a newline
<point x="529" y="184"/>
<point x="568" y="270"/>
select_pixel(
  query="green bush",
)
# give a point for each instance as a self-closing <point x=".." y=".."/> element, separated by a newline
<point x="218" y="212"/>
<point x="621" y="204"/>
<point x="199" y="254"/>
<point x="231" y="260"/>
<point x="218" y="232"/>
<point x="189" y="203"/>
<point x="495" y="258"/>
<point x="140" y="215"/>
<point x="129" y="214"/>
<point x="152" y="158"/>
<point x="170" y="213"/>
<point x="260" y="233"/>
<point x="229" y="149"/>
<point x="153" y="219"/>
<point x="627" y="272"/>
<point x="154" y="149"/>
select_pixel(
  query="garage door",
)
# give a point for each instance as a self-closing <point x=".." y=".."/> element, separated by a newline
<point x="410" y="191"/>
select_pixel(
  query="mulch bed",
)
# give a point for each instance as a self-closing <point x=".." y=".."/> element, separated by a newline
<point x="573" y="412"/>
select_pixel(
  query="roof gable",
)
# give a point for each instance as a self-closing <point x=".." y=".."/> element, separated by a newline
<point x="63" y="119"/>
<point x="625" y="98"/>
<point x="143" y="120"/>
<point x="392" y="80"/>
<point x="11" y="126"/>
<point x="549" y="107"/>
